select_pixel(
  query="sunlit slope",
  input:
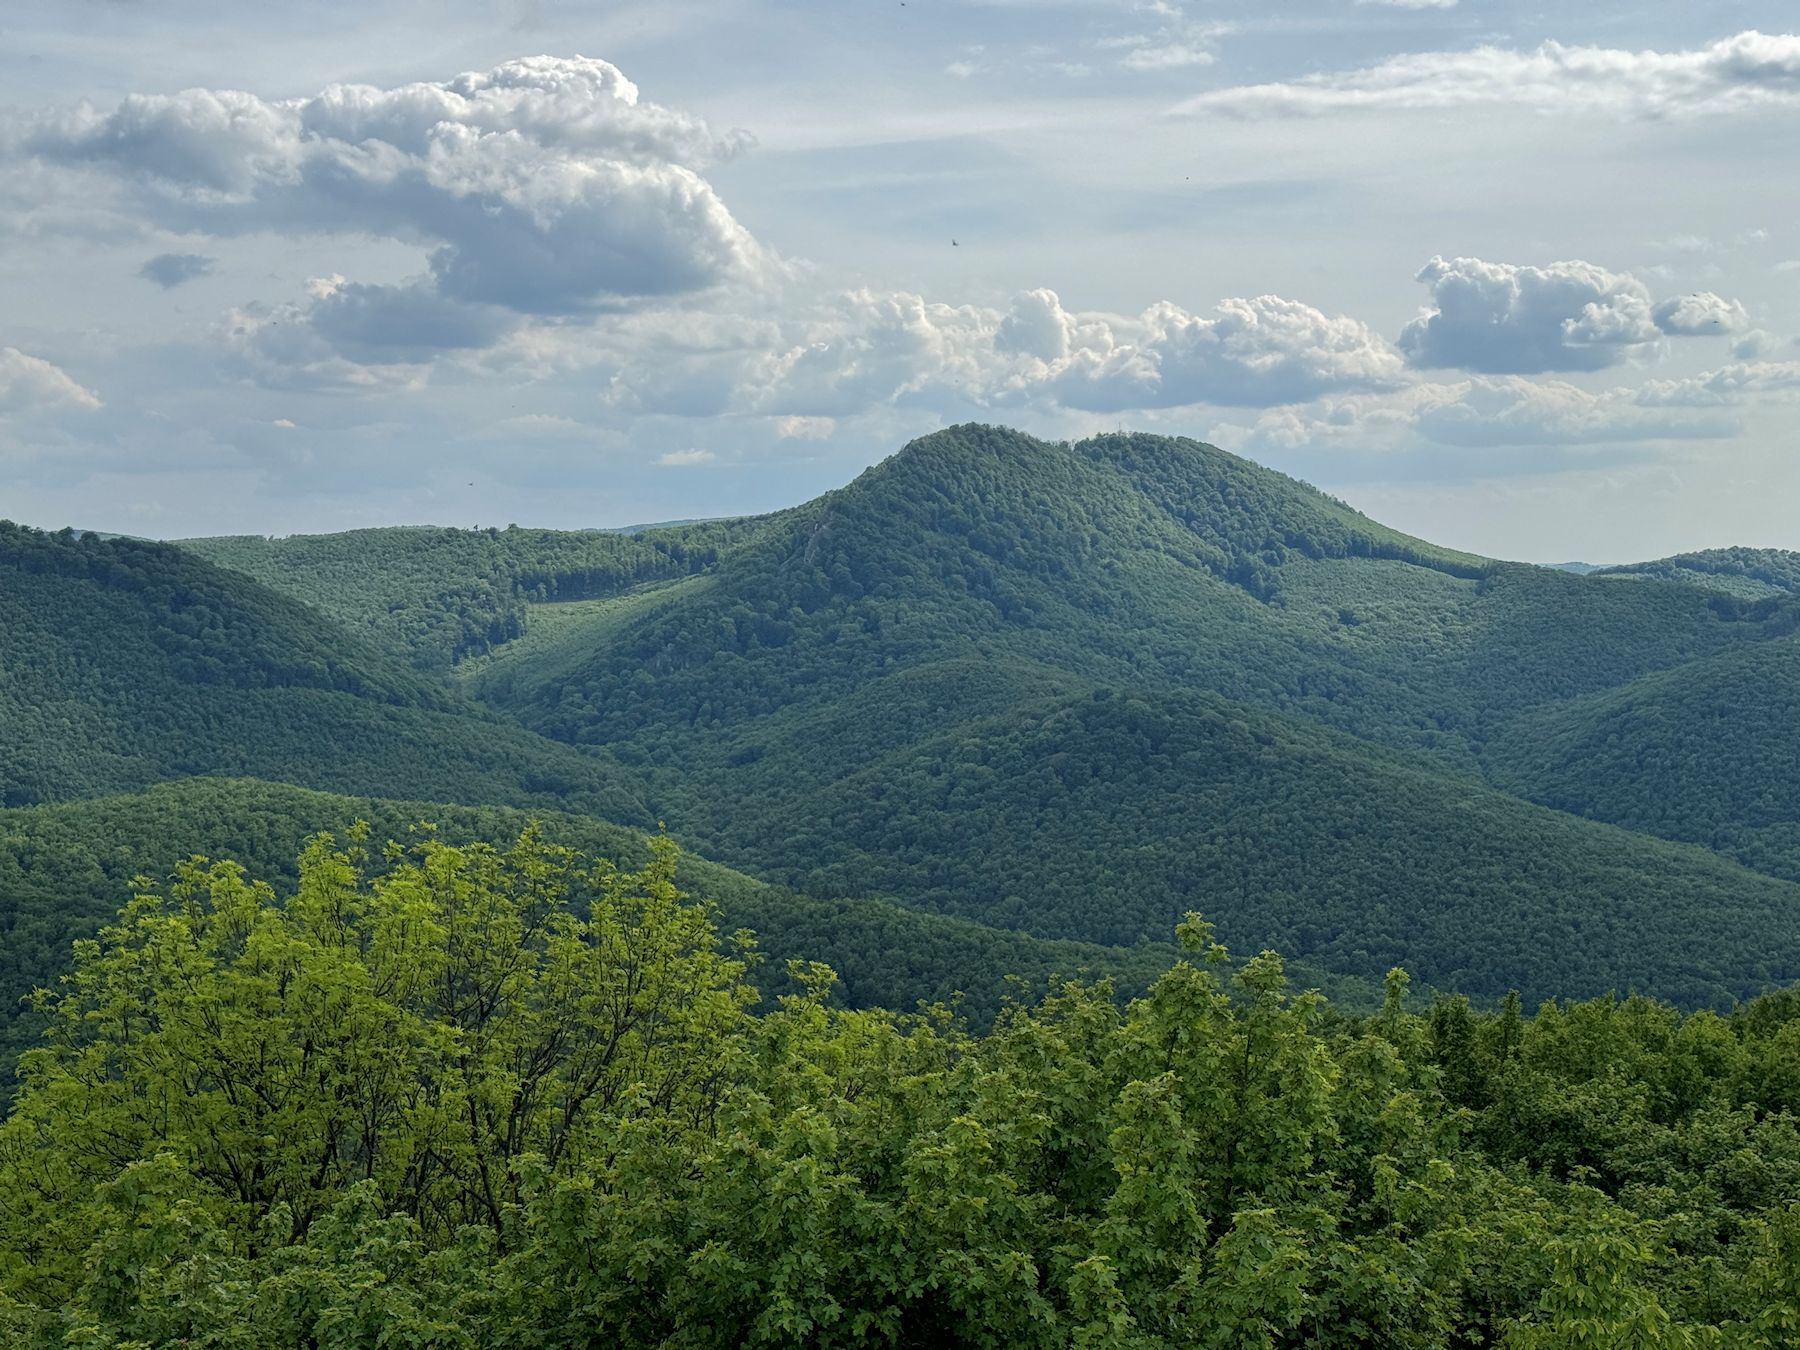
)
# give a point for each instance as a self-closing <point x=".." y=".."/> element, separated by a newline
<point x="437" y="595"/>
<point x="124" y="663"/>
<point x="1751" y="573"/>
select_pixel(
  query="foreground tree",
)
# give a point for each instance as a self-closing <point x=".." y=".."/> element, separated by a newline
<point x="420" y="1027"/>
<point x="457" y="1097"/>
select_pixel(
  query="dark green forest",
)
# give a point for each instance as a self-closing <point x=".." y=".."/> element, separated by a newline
<point x="64" y="867"/>
<point x="126" y="663"/>
<point x="789" y="931"/>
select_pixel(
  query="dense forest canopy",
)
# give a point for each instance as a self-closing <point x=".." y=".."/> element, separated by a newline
<point x="470" y="1096"/>
<point x="64" y="867"/>
<point x="1754" y="573"/>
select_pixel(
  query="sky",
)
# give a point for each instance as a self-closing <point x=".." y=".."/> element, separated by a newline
<point x="1520" y="279"/>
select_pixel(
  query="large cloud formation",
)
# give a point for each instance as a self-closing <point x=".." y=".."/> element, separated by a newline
<point x="545" y="186"/>
<point x="870" y="348"/>
<point x="1747" y="72"/>
<point x="1502" y="319"/>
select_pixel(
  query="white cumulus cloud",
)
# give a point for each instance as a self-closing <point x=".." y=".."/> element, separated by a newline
<point x="543" y="186"/>
<point x="866" y="349"/>
<point x="1700" y="314"/>
<point x="1724" y="387"/>
<point x="1503" y="319"/>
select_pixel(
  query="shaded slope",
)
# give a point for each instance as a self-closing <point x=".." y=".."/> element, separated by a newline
<point x="123" y="663"/>
<point x="64" y="869"/>
<point x="1709" y="752"/>
<point x="1105" y="816"/>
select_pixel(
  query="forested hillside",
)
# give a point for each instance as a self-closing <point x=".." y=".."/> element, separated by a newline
<point x="1104" y="816"/>
<point x="1129" y="559"/>
<point x="65" y="869"/>
<point x="439" y="595"/>
<point x="460" y="1096"/>
<point x="124" y="663"/>
<point x="901" y="689"/>
<point x="1705" y="752"/>
<point x="1064" y="689"/>
<point x="1754" y="573"/>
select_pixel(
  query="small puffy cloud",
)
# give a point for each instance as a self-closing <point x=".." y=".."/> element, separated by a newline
<point x="872" y="348"/>
<point x="1501" y="319"/>
<point x="1411" y="4"/>
<point x="283" y="423"/>
<point x="170" y="270"/>
<point x="1261" y="351"/>
<point x="32" y="384"/>
<point x="1177" y="43"/>
<point x="1036" y="325"/>
<point x="681" y="459"/>
<point x="1166" y="56"/>
<point x="1700" y="314"/>
<point x="805" y="428"/>
<point x="1748" y="72"/>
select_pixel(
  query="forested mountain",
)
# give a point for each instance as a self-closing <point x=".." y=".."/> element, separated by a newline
<point x="1068" y="689"/>
<point x="966" y="681"/>
<point x="124" y="663"/>
<point x="1128" y="559"/>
